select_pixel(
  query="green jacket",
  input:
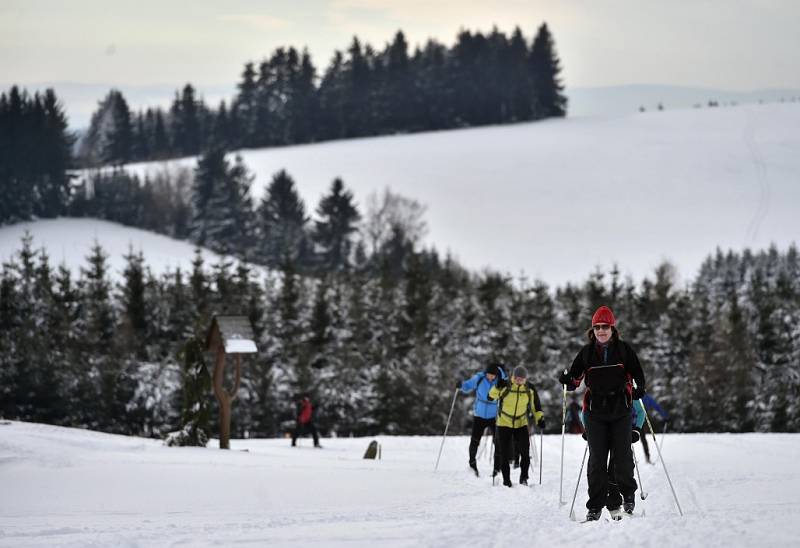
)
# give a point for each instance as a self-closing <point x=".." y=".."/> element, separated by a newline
<point x="516" y="402"/>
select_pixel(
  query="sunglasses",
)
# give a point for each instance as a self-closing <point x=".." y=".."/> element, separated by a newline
<point x="601" y="327"/>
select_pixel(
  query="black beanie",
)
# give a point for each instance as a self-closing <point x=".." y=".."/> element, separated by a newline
<point x="493" y="369"/>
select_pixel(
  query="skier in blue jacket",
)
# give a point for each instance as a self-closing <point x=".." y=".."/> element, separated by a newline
<point x="650" y="403"/>
<point x="484" y="412"/>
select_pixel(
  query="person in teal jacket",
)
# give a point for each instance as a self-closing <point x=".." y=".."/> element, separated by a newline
<point x="484" y="412"/>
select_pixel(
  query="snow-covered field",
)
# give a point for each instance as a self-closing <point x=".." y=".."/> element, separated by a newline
<point x="556" y="198"/>
<point x="67" y="487"/>
<point x="70" y="241"/>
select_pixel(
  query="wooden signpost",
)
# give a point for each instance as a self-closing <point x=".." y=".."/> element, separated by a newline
<point x="228" y="335"/>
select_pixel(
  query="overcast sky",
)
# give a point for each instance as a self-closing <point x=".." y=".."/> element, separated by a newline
<point x="726" y="44"/>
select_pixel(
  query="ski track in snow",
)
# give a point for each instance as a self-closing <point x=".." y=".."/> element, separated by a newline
<point x="67" y="487"/>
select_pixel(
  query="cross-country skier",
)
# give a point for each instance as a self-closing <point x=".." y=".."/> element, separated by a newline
<point x="484" y="412"/>
<point x="305" y="421"/>
<point x="650" y="403"/>
<point x="607" y="365"/>
<point x="537" y="406"/>
<point x="515" y="403"/>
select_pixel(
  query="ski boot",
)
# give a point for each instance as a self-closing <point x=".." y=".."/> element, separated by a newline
<point x="507" y="483"/>
<point x="594" y="514"/>
<point x="628" y="507"/>
<point x="523" y="482"/>
<point x="474" y="466"/>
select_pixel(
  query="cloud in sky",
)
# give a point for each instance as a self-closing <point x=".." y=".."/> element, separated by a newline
<point x="258" y="21"/>
<point x="734" y="44"/>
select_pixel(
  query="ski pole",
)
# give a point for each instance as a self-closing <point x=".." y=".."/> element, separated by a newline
<point x="452" y="406"/>
<point x="541" y="453"/>
<point x="642" y="492"/>
<point x="663" y="433"/>
<point x="534" y="455"/>
<point x="661" y="458"/>
<point x="496" y="448"/>
<point x="561" y="500"/>
<point x="580" y="473"/>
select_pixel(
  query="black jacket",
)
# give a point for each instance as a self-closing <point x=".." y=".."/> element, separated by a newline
<point x="608" y="376"/>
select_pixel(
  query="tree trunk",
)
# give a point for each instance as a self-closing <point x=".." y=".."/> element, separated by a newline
<point x="224" y="397"/>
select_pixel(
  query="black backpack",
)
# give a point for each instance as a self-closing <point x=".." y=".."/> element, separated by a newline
<point x="607" y="383"/>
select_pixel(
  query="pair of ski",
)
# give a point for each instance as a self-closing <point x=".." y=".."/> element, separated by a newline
<point x="618" y="515"/>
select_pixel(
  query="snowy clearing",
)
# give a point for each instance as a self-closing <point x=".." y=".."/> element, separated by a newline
<point x="556" y="198"/>
<point x="68" y="487"/>
<point x="70" y="241"/>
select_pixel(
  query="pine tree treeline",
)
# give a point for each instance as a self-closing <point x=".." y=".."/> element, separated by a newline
<point x="35" y="154"/>
<point x="482" y="79"/>
<point x="380" y="349"/>
<point x="212" y="207"/>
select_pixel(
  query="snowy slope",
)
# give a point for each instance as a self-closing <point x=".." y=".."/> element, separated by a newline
<point x="66" y="487"/>
<point x="70" y="241"/>
<point x="556" y="198"/>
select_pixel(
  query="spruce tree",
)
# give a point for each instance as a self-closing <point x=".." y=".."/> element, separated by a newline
<point x="244" y="107"/>
<point x="222" y="210"/>
<point x="196" y="389"/>
<point x="109" y="139"/>
<point x="56" y="148"/>
<point x="334" y="230"/>
<point x="186" y="113"/>
<point x="548" y="100"/>
<point x="332" y="98"/>
<point x="281" y="220"/>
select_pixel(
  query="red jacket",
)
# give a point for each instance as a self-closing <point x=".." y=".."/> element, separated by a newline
<point x="306" y="411"/>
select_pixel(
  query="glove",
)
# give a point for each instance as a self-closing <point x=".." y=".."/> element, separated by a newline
<point x="635" y="435"/>
<point x="501" y="383"/>
<point x="638" y="392"/>
<point x="540" y="423"/>
<point x="458" y="385"/>
<point x="565" y="378"/>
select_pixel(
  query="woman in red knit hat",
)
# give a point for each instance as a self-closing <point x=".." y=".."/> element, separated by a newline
<point x="607" y="365"/>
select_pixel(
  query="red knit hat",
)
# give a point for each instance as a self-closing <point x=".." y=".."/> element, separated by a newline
<point x="604" y="315"/>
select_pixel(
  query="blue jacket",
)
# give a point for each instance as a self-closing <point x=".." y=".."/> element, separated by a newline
<point x="482" y="408"/>
<point x="650" y="403"/>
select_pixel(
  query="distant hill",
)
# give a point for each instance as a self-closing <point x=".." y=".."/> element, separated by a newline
<point x="620" y="100"/>
<point x="69" y="241"/>
<point x="555" y="199"/>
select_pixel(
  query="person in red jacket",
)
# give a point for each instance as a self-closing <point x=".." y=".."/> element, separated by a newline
<point x="305" y="421"/>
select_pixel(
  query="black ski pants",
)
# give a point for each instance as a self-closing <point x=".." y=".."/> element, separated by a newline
<point x="302" y="429"/>
<point x="645" y="447"/>
<point x="479" y="426"/>
<point x="516" y="449"/>
<point x="520" y="436"/>
<point x="609" y="437"/>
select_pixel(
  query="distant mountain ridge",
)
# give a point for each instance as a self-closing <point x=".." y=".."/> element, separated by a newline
<point x="620" y="100"/>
